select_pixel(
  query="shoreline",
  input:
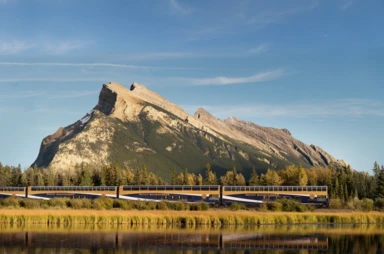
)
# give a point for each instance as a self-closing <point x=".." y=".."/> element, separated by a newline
<point x="166" y="217"/>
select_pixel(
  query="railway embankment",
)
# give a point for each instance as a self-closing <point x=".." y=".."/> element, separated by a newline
<point x="158" y="217"/>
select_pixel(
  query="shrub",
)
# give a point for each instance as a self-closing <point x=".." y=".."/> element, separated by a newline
<point x="87" y="204"/>
<point x="30" y="203"/>
<point x="10" y="202"/>
<point x="336" y="203"/>
<point x="75" y="203"/>
<point x="105" y="203"/>
<point x="181" y="206"/>
<point x="236" y="206"/>
<point x="379" y="204"/>
<point x="97" y="204"/>
<point x="367" y="205"/>
<point x="163" y="205"/>
<point x="275" y="206"/>
<point x="289" y="205"/>
<point x="200" y="206"/>
<point x="58" y="202"/>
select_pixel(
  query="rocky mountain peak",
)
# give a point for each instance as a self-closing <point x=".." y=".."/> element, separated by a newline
<point x="136" y="125"/>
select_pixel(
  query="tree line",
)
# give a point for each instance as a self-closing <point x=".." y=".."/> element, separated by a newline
<point x="343" y="182"/>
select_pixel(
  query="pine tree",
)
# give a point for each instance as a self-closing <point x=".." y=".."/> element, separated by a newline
<point x="254" y="180"/>
<point x="379" y="193"/>
<point x="174" y="176"/>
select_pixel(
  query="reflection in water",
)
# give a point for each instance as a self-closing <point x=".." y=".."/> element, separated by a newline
<point x="261" y="239"/>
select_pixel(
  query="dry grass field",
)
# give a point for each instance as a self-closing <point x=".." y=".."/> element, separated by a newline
<point x="211" y="217"/>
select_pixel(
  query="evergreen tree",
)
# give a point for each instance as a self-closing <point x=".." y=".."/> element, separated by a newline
<point x="174" y="176"/>
<point x="379" y="176"/>
<point x="254" y="180"/>
<point x="210" y="177"/>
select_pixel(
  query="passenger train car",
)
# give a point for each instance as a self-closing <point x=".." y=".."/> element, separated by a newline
<point x="190" y="193"/>
<point x="212" y="194"/>
<point x="315" y="195"/>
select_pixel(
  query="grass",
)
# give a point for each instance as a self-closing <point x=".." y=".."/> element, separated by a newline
<point x="210" y="218"/>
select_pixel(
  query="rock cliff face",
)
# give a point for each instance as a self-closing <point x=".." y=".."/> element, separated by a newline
<point x="136" y="126"/>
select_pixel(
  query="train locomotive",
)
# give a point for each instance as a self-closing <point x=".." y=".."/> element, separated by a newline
<point x="212" y="194"/>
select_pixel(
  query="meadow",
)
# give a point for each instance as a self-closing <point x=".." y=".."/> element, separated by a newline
<point x="159" y="217"/>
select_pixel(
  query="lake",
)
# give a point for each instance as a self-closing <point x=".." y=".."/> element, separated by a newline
<point x="190" y="240"/>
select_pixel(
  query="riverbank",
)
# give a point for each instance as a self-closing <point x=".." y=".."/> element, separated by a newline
<point x="211" y="217"/>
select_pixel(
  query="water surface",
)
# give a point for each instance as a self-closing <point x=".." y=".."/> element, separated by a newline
<point x="191" y="240"/>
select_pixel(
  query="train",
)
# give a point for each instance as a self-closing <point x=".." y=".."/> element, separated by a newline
<point x="211" y="194"/>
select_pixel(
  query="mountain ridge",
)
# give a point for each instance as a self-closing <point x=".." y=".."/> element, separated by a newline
<point x="135" y="125"/>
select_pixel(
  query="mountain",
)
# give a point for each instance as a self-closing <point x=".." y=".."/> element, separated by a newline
<point x="137" y="126"/>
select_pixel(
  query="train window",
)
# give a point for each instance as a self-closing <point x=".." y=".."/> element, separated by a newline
<point x="205" y="188"/>
<point x="214" y="188"/>
<point x="178" y="188"/>
<point x="152" y="188"/>
<point x="135" y="188"/>
<point x="160" y="187"/>
<point x="280" y="188"/>
<point x="323" y="188"/>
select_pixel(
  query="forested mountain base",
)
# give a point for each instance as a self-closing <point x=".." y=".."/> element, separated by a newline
<point x="344" y="184"/>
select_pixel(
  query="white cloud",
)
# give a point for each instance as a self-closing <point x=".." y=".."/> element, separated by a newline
<point x="13" y="47"/>
<point x="259" y="77"/>
<point x="178" y="9"/>
<point x="259" y="49"/>
<point x="321" y="109"/>
<point x="63" y="47"/>
<point x="346" y="4"/>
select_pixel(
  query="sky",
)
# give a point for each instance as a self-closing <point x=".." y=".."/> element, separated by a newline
<point x="314" y="67"/>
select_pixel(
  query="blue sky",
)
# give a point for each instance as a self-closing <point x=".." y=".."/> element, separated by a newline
<point x="313" y="67"/>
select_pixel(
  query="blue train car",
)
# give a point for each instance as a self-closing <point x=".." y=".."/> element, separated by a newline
<point x="6" y="192"/>
<point x="190" y="193"/>
<point x="315" y="195"/>
<point x="89" y="192"/>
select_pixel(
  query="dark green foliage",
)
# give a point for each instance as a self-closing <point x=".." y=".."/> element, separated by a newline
<point x="379" y="204"/>
<point x="237" y="206"/>
<point x="367" y="205"/>
<point x="201" y="206"/>
<point x="289" y="205"/>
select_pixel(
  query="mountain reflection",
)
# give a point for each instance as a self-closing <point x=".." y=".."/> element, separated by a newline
<point x="307" y="239"/>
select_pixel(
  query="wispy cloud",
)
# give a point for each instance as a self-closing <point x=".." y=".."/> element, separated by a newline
<point x="21" y="95"/>
<point x="13" y="47"/>
<point x="159" y="55"/>
<point x="320" y="109"/>
<point x="53" y="79"/>
<point x="87" y="65"/>
<point x="177" y="8"/>
<point x="73" y="94"/>
<point x="269" y="17"/>
<point x="259" y="77"/>
<point x="259" y="49"/>
<point x="63" y="47"/>
<point x="47" y="94"/>
<point x="346" y="4"/>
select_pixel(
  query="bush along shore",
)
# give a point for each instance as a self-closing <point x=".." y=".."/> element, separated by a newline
<point x="106" y="211"/>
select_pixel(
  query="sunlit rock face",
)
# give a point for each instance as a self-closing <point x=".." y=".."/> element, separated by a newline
<point x="135" y="126"/>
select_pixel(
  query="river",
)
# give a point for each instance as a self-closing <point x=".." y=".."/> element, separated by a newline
<point x="190" y="240"/>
